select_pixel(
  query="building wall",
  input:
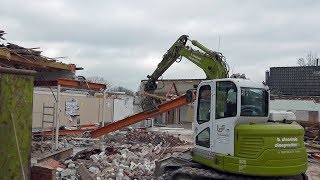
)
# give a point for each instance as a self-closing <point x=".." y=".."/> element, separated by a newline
<point x="305" y="110"/>
<point x="301" y="115"/>
<point x="90" y="109"/>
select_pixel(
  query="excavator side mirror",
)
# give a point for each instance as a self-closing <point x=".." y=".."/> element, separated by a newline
<point x="189" y="96"/>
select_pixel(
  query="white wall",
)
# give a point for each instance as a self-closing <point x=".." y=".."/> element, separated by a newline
<point x="301" y="115"/>
<point x="123" y="107"/>
<point x="90" y="109"/>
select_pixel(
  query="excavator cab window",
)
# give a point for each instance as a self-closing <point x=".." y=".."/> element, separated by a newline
<point x="203" y="138"/>
<point x="204" y="104"/>
<point x="254" y="102"/>
<point x="226" y="99"/>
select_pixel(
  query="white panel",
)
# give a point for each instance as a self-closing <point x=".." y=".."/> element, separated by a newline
<point x="123" y="107"/>
<point x="301" y="115"/>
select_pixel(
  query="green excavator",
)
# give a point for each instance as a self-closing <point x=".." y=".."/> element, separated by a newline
<point x="234" y="137"/>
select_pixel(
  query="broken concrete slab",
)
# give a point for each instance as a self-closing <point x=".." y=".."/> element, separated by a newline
<point x="57" y="155"/>
<point x="65" y="173"/>
<point x="84" y="173"/>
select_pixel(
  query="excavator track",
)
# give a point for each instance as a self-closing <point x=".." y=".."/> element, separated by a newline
<point x="192" y="173"/>
<point x="182" y="167"/>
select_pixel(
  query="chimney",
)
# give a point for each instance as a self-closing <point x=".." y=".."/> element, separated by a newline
<point x="267" y="77"/>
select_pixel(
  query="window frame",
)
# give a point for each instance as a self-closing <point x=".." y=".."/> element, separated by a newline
<point x="207" y="144"/>
<point x="199" y="103"/>
<point x="235" y="107"/>
<point x="266" y="103"/>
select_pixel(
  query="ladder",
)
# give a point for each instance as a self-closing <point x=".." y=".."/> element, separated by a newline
<point x="47" y="118"/>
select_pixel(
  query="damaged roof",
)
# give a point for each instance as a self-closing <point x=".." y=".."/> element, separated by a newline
<point x="15" y="56"/>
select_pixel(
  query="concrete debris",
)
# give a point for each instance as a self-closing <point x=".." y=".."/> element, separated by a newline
<point x="94" y="170"/>
<point x="86" y="154"/>
<point x="59" y="169"/>
<point x="153" y="138"/>
<point x="122" y="155"/>
<point x="36" y="146"/>
<point x="94" y="157"/>
<point x="71" y="166"/>
<point x="65" y="173"/>
<point x="67" y="162"/>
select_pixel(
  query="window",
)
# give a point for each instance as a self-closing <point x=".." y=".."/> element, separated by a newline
<point x="203" y="138"/>
<point x="226" y="99"/>
<point x="254" y="102"/>
<point x="204" y="104"/>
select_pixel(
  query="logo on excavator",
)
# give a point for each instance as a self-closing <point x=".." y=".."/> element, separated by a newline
<point x="195" y="58"/>
<point x="242" y="164"/>
<point x="221" y="128"/>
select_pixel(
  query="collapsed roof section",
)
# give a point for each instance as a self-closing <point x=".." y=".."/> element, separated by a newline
<point x="15" y="56"/>
<point x="50" y="72"/>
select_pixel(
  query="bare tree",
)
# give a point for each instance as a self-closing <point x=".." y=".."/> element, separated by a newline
<point x="99" y="79"/>
<point x="310" y="60"/>
<point x="122" y="89"/>
<point x="1" y="34"/>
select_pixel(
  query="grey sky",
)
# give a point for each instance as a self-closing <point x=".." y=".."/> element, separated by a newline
<point x="123" y="41"/>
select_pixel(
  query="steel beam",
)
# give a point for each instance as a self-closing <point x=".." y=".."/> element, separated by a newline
<point x="176" y="103"/>
<point x="63" y="132"/>
<point x="71" y="83"/>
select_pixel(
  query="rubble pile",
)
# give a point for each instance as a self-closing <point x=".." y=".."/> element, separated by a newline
<point x="36" y="146"/>
<point x="66" y="142"/>
<point x="312" y="130"/>
<point x="140" y="135"/>
<point x="123" y="155"/>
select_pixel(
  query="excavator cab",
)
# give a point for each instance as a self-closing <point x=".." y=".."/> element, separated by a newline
<point x="232" y="133"/>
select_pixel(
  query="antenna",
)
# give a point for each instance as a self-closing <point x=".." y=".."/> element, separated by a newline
<point x="219" y="44"/>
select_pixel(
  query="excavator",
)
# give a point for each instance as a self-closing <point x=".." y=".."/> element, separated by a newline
<point x="233" y="135"/>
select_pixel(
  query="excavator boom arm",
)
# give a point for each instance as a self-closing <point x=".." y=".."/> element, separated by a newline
<point x="212" y="63"/>
<point x="167" y="60"/>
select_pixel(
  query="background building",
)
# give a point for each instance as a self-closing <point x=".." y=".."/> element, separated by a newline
<point x="294" y="81"/>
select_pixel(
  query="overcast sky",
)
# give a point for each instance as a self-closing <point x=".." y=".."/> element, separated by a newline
<point x="123" y="41"/>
